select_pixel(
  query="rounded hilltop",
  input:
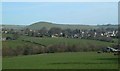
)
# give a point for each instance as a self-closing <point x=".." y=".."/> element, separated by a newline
<point x="43" y="22"/>
<point x="48" y="25"/>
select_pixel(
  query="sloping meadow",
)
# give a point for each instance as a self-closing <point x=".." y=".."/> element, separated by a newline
<point x="35" y="45"/>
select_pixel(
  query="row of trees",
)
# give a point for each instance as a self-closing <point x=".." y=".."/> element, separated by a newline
<point x="30" y="49"/>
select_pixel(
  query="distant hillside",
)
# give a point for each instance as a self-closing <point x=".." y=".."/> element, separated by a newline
<point x="49" y="25"/>
<point x="108" y="26"/>
<point x="13" y="26"/>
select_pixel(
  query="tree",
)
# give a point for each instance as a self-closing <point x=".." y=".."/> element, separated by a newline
<point x="55" y="30"/>
<point x="16" y="35"/>
<point x="43" y="31"/>
<point x="67" y="32"/>
<point x="27" y="30"/>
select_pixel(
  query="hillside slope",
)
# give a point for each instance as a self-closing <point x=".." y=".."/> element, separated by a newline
<point x="13" y="26"/>
<point x="49" y="25"/>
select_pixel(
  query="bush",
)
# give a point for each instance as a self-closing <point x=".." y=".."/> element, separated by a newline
<point x="22" y="50"/>
<point x="6" y="51"/>
<point x="34" y="49"/>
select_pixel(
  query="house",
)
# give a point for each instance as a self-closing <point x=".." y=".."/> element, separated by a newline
<point x="55" y="35"/>
<point x="2" y="39"/>
<point x="75" y="36"/>
<point x="6" y="32"/>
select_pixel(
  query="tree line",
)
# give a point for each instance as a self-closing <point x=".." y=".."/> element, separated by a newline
<point x="37" y="48"/>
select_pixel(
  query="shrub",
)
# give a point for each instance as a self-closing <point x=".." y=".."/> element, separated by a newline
<point x="6" y="51"/>
<point x="38" y="49"/>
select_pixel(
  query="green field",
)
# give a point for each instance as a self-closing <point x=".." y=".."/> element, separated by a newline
<point x="54" y="41"/>
<point x="15" y="43"/>
<point x="66" y="60"/>
<point x="73" y="60"/>
<point x="69" y="41"/>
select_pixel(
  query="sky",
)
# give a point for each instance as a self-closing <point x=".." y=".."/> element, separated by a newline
<point x="60" y="0"/>
<point x="85" y="13"/>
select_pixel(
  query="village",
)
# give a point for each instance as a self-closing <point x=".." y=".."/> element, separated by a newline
<point x="96" y="34"/>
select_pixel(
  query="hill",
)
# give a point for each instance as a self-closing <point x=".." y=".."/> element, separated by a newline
<point x="108" y="26"/>
<point x="49" y="25"/>
<point x="13" y="26"/>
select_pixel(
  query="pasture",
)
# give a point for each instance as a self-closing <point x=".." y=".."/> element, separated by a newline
<point x="47" y="41"/>
<point x="53" y="41"/>
<point x="68" y="41"/>
<point x="59" y="60"/>
<point x="67" y="60"/>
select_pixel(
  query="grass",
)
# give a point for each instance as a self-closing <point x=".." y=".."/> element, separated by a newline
<point x="115" y="40"/>
<point x="68" y="60"/>
<point x="7" y="35"/>
<point x="67" y="41"/>
<point x="13" y="43"/>
<point x="53" y="41"/>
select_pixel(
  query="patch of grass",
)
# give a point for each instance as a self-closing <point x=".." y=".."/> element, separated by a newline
<point x="115" y="40"/>
<point x="7" y="35"/>
<point x="67" y="41"/>
<point x="13" y="43"/>
<point x="68" y="60"/>
<point x="53" y="41"/>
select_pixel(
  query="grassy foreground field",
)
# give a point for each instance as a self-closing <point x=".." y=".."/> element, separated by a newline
<point x="74" y="60"/>
<point x="66" y="60"/>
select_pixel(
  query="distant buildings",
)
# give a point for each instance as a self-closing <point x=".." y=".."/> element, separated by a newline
<point x="77" y="33"/>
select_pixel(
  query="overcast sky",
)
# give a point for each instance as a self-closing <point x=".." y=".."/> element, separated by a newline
<point x="88" y="13"/>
